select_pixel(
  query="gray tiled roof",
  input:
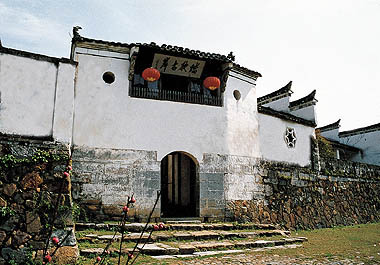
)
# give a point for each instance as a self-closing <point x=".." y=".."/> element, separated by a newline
<point x="284" y="90"/>
<point x="306" y="99"/>
<point x="367" y="129"/>
<point x="331" y="126"/>
<point x="173" y="49"/>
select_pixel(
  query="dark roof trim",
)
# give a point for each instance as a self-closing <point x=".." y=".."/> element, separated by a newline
<point x="36" y="56"/>
<point x="246" y="71"/>
<point x="307" y="99"/>
<point x="173" y="49"/>
<point x="163" y="47"/>
<point x="329" y="127"/>
<point x="285" y="116"/>
<point x="368" y="129"/>
<point x="280" y="93"/>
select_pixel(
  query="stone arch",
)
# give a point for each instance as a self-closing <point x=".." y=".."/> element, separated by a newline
<point x="179" y="185"/>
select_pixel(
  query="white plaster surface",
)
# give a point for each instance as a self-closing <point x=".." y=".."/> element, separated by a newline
<point x="27" y="89"/>
<point x="272" y="143"/>
<point x="307" y="113"/>
<point x="36" y="97"/>
<point x="281" y="104"/>
<point x="106" y="117"/>
<point x="64" y="103"/>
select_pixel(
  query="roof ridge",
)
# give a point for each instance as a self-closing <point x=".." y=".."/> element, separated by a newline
<point x="230" y="58"/>
<point x="370" y="128"/>
<point x="305" y="99"/>
<point x="278" y="92"/>
<point x="331" y="126"/>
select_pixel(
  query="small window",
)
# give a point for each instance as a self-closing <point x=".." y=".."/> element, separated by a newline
<point x="108" y="77"/>
<point x="290" y="137"/>
<point x="237" y="94"/>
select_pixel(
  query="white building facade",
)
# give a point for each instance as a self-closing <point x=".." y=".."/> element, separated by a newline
<point x="199" y="148"/>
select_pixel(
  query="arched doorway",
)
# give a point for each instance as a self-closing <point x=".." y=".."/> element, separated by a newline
<point x="179" y="186"/>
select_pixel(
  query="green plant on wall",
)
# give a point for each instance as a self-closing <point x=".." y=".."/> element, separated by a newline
<point x="325" y="148"/>
<point x="40" y="156"/>
<point x="6" y="212"/>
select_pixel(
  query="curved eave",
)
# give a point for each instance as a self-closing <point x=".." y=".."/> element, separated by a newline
<point x="329" y="127"/>
<point x="280" y="93"/>
<point x="309" y="99"/>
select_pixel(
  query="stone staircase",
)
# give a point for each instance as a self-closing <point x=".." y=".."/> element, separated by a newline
<point x="184" y="238"/>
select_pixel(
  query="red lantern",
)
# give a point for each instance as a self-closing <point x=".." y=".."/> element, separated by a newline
<point x="211" y="82"/>
<point x="151" y="74"/>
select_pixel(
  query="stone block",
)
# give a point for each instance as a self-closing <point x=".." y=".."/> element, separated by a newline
<point x="3" y="236"/>
<point x="9" y="189"/>
<point x="3" y="203"/>
<point x="31" y="181"/>
<point x="19" y="238"/>
<point x="67" y="235"/>
<point x="33" y="223"/>
<point x="36" y="244"/>
<point x="66" y="255"/>
<point x="9" y="224"/>
<point x="216" y="194"/>
<point x="113" y="210"/>
<point x="216" y="185"/>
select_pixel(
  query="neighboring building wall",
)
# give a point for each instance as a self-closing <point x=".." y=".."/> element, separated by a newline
<point x="331" y="134"/>
<point x="272" y="140"/>
<point x="37" y="94"/>
<point x="369" y="143"/>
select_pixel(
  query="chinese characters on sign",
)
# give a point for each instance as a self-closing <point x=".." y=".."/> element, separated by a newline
<point x="178" y="66"/>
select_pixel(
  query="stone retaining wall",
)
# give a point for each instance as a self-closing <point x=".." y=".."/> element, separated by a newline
<point x="300" y="198"/>
<point x="32" y="179"/>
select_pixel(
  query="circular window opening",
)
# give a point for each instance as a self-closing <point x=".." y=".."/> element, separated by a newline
<point x="108" y="77"/>
<point x="237" y="94"/>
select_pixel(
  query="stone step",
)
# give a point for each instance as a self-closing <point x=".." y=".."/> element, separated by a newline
<point x="155" y="249"/>
<point x="222" y="252"/>
<point x="191" y="248"/>
<point x="183" y="235"/>
<point x="183" y="220"/>
<point x="138" y="227"/>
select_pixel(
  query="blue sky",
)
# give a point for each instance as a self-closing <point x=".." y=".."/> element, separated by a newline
<point x="328" y="45"/>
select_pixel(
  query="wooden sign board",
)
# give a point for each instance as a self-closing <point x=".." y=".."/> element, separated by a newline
<point x="178" y="66"/>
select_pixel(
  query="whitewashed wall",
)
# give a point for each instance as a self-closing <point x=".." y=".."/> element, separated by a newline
<point x="369" y="143"/>
<point x="30" y="89"/>
<point x="308" y="113"/>
<point x="106" y="117"/>
<point x="272" y="143"/>
<point x="281" y="104"/>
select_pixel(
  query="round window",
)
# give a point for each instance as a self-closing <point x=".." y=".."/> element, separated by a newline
<point x="108" y="77"/>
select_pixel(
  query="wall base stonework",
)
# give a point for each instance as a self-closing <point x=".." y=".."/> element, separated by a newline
<point x="35" y="199"/>
<point x="231" y="188"/>
<point x="298" y="198"/>
<point x="104" y="178"/>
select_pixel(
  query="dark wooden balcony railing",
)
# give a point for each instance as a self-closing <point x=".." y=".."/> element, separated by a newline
<point x="139" y="91"/>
